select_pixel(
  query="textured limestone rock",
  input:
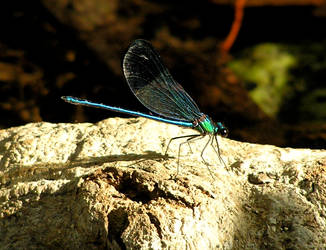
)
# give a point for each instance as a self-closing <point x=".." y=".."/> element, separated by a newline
<point x="108" y="185"/>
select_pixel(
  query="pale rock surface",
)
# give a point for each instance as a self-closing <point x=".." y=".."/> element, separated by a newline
<point x="108" y="185"/>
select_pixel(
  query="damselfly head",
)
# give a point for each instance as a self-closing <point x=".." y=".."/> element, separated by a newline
<point x="221" y="129"/>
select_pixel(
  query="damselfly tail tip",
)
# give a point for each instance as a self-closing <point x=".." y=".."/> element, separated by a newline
<point x="69" y="99"/>
<point x="64" y="98"/>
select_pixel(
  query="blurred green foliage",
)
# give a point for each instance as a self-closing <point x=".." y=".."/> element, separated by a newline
<point x="287" y="81"/>
<point x="265" y="70"/>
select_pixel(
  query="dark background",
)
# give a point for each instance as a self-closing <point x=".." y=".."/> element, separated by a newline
<point x="54" y="48"/>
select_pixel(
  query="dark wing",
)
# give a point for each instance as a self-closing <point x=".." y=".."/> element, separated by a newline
<point x="153" y="85"/>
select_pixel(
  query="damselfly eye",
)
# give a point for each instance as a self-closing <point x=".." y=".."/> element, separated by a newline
<point x="224" y="132"/>
<point x="221" y="130"/>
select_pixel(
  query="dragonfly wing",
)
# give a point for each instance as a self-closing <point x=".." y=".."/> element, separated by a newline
<point x="153" y="85"/>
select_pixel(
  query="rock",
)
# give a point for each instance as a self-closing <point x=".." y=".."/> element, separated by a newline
<point x="109" y="185"/>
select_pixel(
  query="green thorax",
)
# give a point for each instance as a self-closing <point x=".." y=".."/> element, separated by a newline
<point x="205" y="125"/>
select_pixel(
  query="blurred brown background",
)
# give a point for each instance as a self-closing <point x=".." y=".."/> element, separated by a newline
<point x="257" y="66"/>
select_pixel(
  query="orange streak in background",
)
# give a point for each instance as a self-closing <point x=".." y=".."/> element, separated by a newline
<point x="238" y="15"/>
